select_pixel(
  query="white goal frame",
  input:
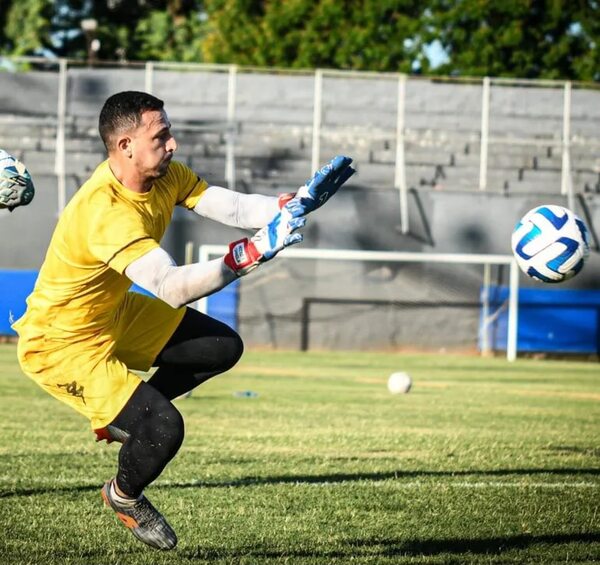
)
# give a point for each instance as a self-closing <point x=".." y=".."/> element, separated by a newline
<point x="205" y="252"/>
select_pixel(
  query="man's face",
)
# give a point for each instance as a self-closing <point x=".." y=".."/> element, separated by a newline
<point x="152" y="144"/>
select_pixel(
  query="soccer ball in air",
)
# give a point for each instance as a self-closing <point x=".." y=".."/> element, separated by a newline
<point x="550" y="243"/>
<point x="399" y="383"/>
<point x="14" y="179"/>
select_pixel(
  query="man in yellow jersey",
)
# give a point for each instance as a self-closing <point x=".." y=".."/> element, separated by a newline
<point x="83" y="333"/>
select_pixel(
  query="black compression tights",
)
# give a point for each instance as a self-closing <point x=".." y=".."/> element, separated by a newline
<point x="200" y="348"/>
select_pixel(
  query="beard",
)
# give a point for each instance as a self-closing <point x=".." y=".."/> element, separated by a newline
<point x="162" y="169"/>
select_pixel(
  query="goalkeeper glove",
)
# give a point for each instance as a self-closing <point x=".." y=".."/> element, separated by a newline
<point x="321" y="187"/>
<point x="246" y="254"/>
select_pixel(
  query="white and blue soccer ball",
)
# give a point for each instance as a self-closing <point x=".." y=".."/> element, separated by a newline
<point x="12" y="165"/>
<point x="13" y="174"/>
<point x="550" y="243"/>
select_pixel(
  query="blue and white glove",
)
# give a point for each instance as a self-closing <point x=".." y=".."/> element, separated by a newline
<point x="246" y="254"/>
<point x="321" y="187"/>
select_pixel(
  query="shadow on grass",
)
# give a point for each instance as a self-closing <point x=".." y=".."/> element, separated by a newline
<point x="456" y="549"/>
<point x="317" y="479"/>
<point x="398" y="547"/>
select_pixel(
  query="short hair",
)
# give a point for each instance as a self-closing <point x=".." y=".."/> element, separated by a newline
<point x="123" y="112"/>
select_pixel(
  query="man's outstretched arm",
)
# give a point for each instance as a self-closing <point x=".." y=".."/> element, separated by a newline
<point x="246" y="211"/>
<point x="249" y="211"/>
<point x="157" y="273"/>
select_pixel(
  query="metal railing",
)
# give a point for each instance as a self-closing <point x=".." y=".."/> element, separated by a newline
<point x="398" y="124"/>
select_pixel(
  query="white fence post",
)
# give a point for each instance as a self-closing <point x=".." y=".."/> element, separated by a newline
<point x="400" y="173"/>
<point x="148" y="76"/>
<point x="317" y="116"/>
<point x="485" y="133"/>
<point x="485" y="309"/>
<point x="566" y="186"/>
<point x="204" y="253"/>
<point x="513" y="312"/>
<point x="61" y="116"/>
<point x="230" y="135"/>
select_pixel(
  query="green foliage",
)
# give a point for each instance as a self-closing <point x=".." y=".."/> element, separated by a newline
<point x="116" y="24"/>
<point x="484" y="461"/>
<point x="163" y="37"/>
<point x="379" y="35"/>
<point x="4" y="8"/>
<point x="555" y="39"/>
<point x="127" y="30"/>
<point x="518" y="38"/>
<point x="27" y="27"/>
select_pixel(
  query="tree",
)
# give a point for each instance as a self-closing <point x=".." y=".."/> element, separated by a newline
<point x="168" y="36"/>
<point x="4" y="7"/>
<point x="378" y="35"/>
<point x="126" y="29"/>
<point x="27" y="26"/>
<point x="149" y="29"/>
<point x="555" y="39"/>
<point x="518" y="38"/>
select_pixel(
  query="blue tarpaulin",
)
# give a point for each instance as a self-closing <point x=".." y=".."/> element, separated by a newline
<point x="550" y="320"/>
<point x="223" y="305"/>
<point x="16" y="286"/>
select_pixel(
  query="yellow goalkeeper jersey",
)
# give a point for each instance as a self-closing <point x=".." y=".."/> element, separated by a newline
<point x="102" y="230"/>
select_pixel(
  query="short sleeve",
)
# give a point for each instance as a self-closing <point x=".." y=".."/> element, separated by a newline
<point x="117" y="237"/>
<point x="190" y="186"/>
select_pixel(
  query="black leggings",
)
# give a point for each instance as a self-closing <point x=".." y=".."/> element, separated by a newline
<point x="200" y="348"/>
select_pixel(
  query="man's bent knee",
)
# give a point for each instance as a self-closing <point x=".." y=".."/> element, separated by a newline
<point x="170" y="431"/>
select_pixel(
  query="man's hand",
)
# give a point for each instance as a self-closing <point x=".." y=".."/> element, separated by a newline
<point x="321" y="187"/>
<point x="16" y="186"/>
<point x="246" y="254"/>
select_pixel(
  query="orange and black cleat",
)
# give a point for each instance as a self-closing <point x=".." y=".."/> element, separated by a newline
<point x="145" y="522"/>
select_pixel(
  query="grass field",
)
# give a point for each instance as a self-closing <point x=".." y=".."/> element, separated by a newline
<point x="482" y="462"/>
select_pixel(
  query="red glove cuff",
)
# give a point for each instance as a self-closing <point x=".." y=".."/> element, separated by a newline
<point x="284" y="198"/>
<point x="242" y="256"/>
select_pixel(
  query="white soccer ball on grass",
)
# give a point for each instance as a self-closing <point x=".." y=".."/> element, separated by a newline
<point x="399" y="383"/>
<point x="550" y="243"/>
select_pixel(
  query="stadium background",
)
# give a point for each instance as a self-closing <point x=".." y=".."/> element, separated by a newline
<point x="451" y="172"/>
<point x="385" y="305"/>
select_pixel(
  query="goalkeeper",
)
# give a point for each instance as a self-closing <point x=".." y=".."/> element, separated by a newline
<point x="83" y="333"/>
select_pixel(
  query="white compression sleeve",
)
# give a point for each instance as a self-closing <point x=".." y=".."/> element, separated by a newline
<point x="157" y="273"/>
<point x="246" y="211"/>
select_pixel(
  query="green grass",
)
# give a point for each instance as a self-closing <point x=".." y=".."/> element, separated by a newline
<point x="482" y="462"/>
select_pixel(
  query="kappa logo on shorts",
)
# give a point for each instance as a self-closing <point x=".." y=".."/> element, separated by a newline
<point x="73" y="389"/>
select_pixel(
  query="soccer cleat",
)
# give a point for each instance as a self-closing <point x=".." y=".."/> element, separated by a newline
<point x="110" y="434"/>
<point x="145" y="522"/>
